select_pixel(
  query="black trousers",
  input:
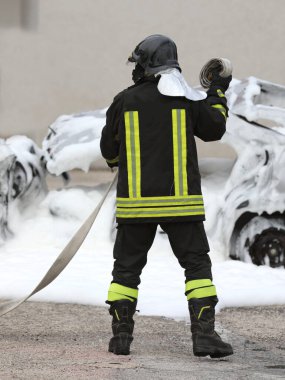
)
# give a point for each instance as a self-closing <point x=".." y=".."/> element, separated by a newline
<point x="188" y="241"/>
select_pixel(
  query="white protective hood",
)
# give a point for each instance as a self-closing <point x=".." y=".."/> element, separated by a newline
<point x="172" y="83"/>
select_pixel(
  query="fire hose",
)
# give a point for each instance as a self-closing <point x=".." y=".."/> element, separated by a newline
<point x="63" y="258"/>
<point x="221" y="65"/>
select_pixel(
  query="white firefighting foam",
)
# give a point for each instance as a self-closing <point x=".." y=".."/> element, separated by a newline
<point x="41" y="232"/>
<point x="41" y="236"/>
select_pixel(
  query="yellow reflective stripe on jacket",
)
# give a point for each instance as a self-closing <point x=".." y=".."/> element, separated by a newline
<point x="157" y="203"/>
<point x="194" y="284"/>
<point x="117" y="292"/>
<point x="129" y="153"/>
<point x="162" y="198"/>
<point x="133" y="153"/>
<point x="220" y="108"/>
<point x="184" y="152"/>
<point x="137" y="154"/>
<point x="160" y="201"/>
<point x="220" y="93"/>
<point x="179" y="151"/>
<point x="153" y="212"/>
<point x="175" y="151"/>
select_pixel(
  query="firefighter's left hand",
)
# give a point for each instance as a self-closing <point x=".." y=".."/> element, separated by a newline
<point x="222" y="82"/>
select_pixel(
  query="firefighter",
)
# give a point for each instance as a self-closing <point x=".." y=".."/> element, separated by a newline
<point x="149" y="135"/>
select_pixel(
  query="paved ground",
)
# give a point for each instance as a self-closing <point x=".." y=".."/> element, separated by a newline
<point x="65" y="341"/>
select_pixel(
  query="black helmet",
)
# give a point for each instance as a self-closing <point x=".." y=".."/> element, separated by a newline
<point x="155" y="53"/>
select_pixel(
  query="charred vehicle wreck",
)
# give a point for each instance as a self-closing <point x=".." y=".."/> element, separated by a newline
<point x="250" y="218"/>
<point x="22" y="178"/>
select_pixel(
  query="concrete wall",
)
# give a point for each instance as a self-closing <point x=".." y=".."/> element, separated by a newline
<point x="73" y="57"/>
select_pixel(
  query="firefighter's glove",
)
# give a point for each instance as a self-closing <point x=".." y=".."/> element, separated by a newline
<point x="137" y="73"/>
<point x="220" y="82"/>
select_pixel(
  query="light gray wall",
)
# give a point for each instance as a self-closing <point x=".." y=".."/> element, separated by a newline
<point x="74" y="60"/>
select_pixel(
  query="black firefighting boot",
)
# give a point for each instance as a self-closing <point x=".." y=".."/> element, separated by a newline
<point x="205" y="339"/>
<point x="122" y="325"/>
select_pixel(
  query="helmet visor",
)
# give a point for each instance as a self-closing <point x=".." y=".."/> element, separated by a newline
<point x="131" y="59"/>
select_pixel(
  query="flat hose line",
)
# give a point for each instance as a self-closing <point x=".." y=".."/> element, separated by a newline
<point x="63" y="258"/>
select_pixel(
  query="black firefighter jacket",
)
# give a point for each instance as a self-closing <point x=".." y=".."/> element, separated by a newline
<point x="150" y="137"/>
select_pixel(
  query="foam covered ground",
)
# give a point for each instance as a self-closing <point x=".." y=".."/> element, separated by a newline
<point x="41" y="236"/>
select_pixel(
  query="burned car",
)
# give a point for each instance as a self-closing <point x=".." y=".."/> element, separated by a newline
<point x="250" y="217"/>
<point x="71" y="143"/>
<point x="22" y="178"/>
